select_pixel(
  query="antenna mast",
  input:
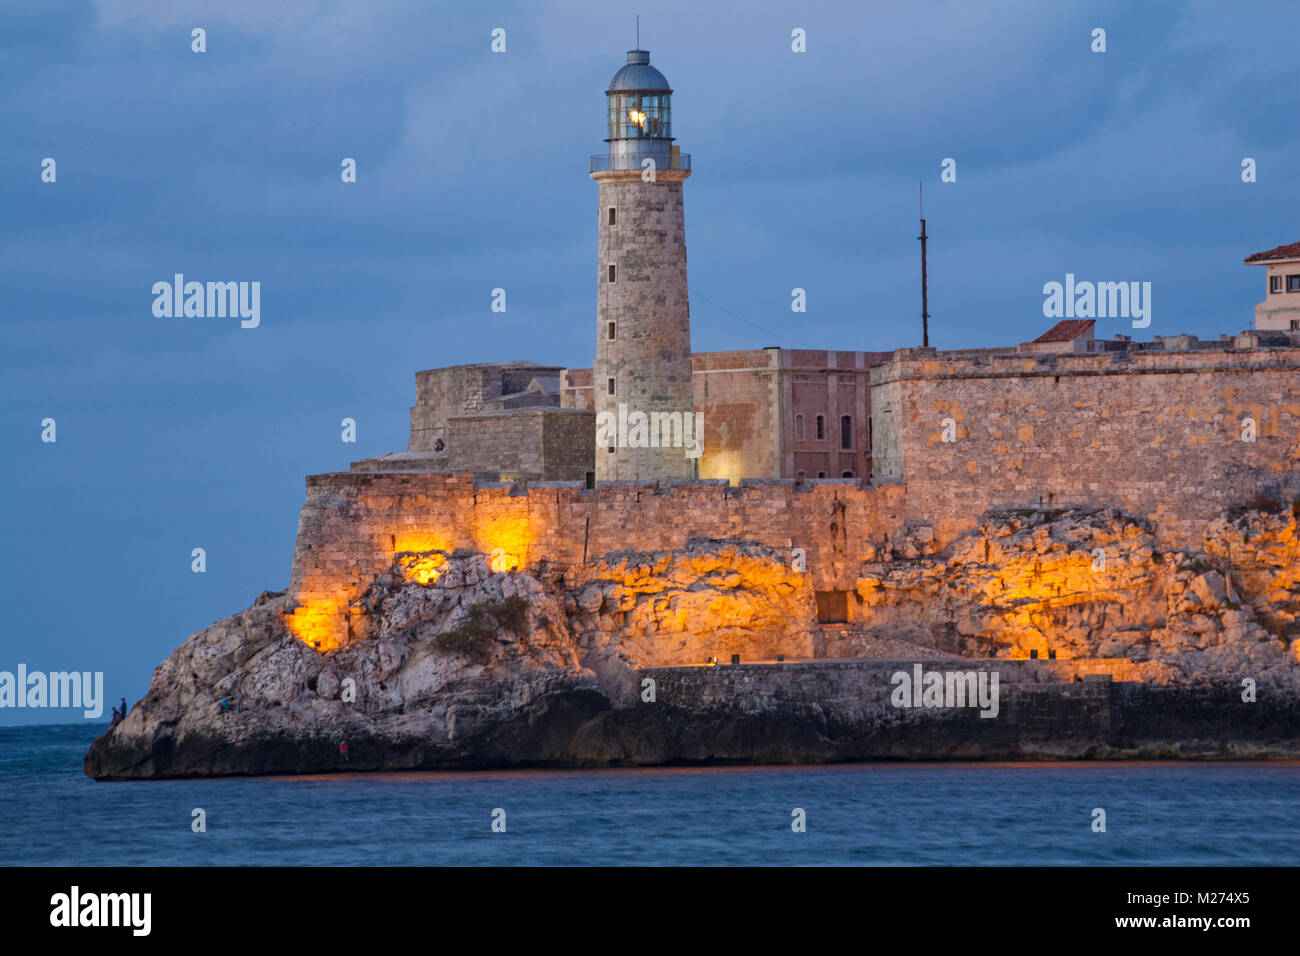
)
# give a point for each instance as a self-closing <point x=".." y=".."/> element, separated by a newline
<point x="925" y="304"/>
<point x="638" y="31"/>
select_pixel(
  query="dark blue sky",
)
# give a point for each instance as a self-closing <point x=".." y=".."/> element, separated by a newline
<point x="472" y="174"/>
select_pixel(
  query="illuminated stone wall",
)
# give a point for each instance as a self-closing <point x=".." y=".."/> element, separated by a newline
<point x="353" y="524"/>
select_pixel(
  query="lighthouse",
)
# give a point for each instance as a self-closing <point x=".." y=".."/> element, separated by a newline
<point x="642" y="370"/>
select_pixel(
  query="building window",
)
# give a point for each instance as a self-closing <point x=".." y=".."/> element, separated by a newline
<point x="1295" y="325"/>
<point x="610" y="386"/>
<point x="611" y="331"/>
<point x="821" y="427"/>
<point x="800" y="475"/>
<point x="821" y="474"/>
<point x="1274" y="284"/>
<point x="611" y="216"/>
<point x="611" y="273"/>
<point x="798" y="428"/>
<point x="846" y="474"/>
<point x="1293" y="283"/>
<point x="846" y="431"/>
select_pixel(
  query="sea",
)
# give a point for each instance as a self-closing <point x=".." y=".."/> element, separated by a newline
<point x="904" y="814"/>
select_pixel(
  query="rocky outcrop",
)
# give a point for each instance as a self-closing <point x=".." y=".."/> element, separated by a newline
<point x="1091" y="583"/>
<point x="713" y="599"/>
<point x="459" y="665"/>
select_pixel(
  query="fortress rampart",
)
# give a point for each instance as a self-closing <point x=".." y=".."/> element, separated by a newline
<point x="1156" y="434"/>
<point x="354" y="523"/>
<point x="1153" y="433"/>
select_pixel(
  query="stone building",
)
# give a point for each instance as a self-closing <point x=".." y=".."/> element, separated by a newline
<point x="1068" y="335"/>
<point x="773" y="412"/>
<point x="501" y="421"/>
<point x="1280" y="310"/>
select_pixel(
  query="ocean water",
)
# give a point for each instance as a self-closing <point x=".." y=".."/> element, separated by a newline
<point x="903" y="814"/>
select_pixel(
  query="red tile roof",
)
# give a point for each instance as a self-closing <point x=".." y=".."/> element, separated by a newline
<point x="1066" y="330"/>
<point x="1281" y="252"/>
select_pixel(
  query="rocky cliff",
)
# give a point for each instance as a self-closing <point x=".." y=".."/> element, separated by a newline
<point x="462" y="666"/>
<point x="1091" y="583"/>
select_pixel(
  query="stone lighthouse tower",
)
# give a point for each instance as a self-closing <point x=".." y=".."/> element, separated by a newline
<point x="642" y="370"/>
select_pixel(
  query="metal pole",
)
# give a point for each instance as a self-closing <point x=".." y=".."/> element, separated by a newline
<point x="925" y="303"/>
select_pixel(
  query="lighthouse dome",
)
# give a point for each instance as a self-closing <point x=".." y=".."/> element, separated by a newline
<point x="638" y="75"/>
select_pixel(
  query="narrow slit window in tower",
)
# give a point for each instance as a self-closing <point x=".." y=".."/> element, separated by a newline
<point x="610" y="385"/>
<point x="612" y="221"/>
<point x="611" y="331"/>
<point x="611" y="273"/>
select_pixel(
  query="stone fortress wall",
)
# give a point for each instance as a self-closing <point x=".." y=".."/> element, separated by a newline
<point x="1156" y="434"/>
<point x="1153" y="433"/>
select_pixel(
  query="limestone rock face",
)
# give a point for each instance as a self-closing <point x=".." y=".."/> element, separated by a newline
<point x="711" y="599"/>
<point x="1264" y="550"/>
<point x="1090" y="583"/>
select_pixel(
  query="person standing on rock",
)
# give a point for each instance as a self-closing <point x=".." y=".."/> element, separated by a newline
<point x="123" y="708"/>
